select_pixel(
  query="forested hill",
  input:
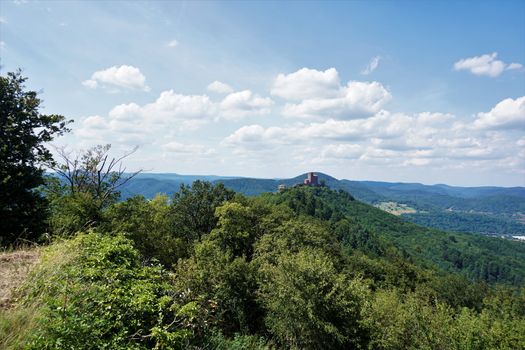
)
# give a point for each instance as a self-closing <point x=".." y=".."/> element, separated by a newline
<point x="489" y="259"/>
<point x="493" y="211"/>
<point x="305" y="268"/>
<point x="150" y="184"/>
<point x="478" y="257"/>
<point x="493" y="200"/>
<point x="487" y="210"/>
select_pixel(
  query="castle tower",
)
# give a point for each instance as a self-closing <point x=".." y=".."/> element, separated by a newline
<point x="311" y="179"/>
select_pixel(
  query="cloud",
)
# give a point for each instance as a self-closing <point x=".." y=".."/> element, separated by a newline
<point x="507" y="114"/>
<point x="385" y="139"/>
<point x="149" y="123"/>
<point x="314" y="94"/>
<point x="485" y="65"/>
<point x="342" y="151"/>
<point x="253" y="136"/>
<point x="306" y="83"/>
<point x="219" y="88"/>
<point x="171" y="105"/>
<point x="514" y="66"/>
<point x="170" y="113"/>
<point x="127" y="77"/>
<point x="372" y="65"/>
<point x="348" y="125"/>
<point x="130" y="111"/>
<point x="355" y="100"/>
<point x="3" y="45"/>
<point x="173" y="43"/>
<point x="95" y="122"/>
<point x="188" y="149"/>
<point x="416" y="162"/>
<point x="383" y="125"/>
<point x="242" y="103"/>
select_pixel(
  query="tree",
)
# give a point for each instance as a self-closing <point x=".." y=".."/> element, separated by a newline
<point x="86" y="183"/>
<point x="309" y="304"/>
<point x="151" y="227"/>
<point x="228" y="283"/>
<point x="93" y="172"/>
<point x="24" y="131"/>
<point x="194" y="207"/>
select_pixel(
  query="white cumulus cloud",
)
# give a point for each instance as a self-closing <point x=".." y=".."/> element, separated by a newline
<point x="256" y="138"/>
<point x="507" y="114"/>
<point x="172" y="105"/>
<point x="306" y="83"/>
<point x="320" y="95"/>
<point x="127" y="77"/>
<point x="342" y="151"/>
<point x="355" y="100"/>
<point x="485" y="65"/>
<point x="242" y="103"/>
<point x="386" y="139"/>
<point x="219" y="87"/>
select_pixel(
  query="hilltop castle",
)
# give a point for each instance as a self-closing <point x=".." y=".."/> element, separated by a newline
<point x="311" y="180"/>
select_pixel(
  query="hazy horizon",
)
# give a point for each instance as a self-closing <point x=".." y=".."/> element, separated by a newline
<point x="316" y="172"/>
<point x="406" y="91"/>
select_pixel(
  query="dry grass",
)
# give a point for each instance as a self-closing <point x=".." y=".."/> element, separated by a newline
<point x="14" y="268"/>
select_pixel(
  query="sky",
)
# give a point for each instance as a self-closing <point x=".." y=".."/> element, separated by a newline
<point x="408" y="91"/>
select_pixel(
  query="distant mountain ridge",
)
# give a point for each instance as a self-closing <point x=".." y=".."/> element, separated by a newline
<point x="487" y="209"/>
<point x="150" y="184"/>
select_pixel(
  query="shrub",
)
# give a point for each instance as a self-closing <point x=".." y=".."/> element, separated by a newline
<point x="93" y="293"/>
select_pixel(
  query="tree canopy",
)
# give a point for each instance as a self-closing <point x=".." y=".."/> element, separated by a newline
<point x="24" y="133"/>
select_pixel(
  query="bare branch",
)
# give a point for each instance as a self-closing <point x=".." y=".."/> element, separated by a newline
<point x="93" y="171"/>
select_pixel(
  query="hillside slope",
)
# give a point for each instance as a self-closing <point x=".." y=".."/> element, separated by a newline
<point x="307" y="268"/>
<point x="486" y="210"/>
<point x="478" y="257"/>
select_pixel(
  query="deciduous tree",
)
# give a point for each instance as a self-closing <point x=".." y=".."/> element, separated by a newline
<point x="24" y="132"/>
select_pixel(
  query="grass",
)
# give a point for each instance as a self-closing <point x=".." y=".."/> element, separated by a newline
<point x="15" y="321"/>
<point x="14" y="269"/>
<point x="24" y="275"/>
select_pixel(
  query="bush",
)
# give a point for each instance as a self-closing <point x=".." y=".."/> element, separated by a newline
<point x="239" y="342"/>
<point x="93" y="293"/>
<point x="151" y="227"/>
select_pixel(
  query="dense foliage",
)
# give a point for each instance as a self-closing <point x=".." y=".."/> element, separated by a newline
<point x="485" y="210"/>
<point x="308" y="268"/>
<point x="23" y="134"/>
<point x="102" y="297"/>
<point x="478" y="257"/>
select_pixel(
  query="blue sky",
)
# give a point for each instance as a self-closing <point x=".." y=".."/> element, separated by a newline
<point x="430" y="92"/>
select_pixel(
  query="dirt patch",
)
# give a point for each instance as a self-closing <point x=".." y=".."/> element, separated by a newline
<point x="14" y="267"/>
